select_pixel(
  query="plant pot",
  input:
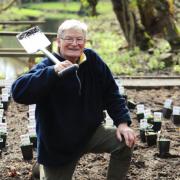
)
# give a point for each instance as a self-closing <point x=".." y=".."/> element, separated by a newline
<point x="176" y="119"/>
<point x="167" y="112"/>
<point x="1" y="143"/>
<point x="163" y="145"/>
<point x="142" y="135"/>
<point x="33" y="140"/>
<point x="131" y="104"/>
<point x="27" y="151"/>
<point x="4" y="119"/>
<point x="157" y="126"/>
<point x="4" y="137"/>
<point x="125" y="97"/>
<point x="150" y="120"/>
<point x="151" y="138"/>
<point x="5" y="105"/>
<point x="140" y="116"/>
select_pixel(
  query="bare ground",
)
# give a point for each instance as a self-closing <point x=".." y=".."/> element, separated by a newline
<point x="145" y="165"/>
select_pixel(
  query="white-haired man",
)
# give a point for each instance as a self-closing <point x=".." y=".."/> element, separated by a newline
<point x="69" y="110"/>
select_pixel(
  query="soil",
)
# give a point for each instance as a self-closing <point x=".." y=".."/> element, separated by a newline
<point x="146" y="163"/>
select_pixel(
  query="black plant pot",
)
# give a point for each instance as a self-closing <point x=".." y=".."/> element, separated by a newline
<point x="163" y="145"/>
<point x="140" y="116"/>
<point x="176" y="119"/>
<point x="131" y="104"/>
<point x="150" y="120"/>
<point x="33" y="140"/>
<point x="157" y="126"/>
<point x="125" y="97"/>
<point x="142" y="135"/>
<point x="4" y="137"/>
<point x="27" y="151"/>
<point x="5" y="105"/>
<point x="151" y="138"/>
<point x="1" y="143"/>
<point x="4" y="119"/>
<point x="167" y="112"/>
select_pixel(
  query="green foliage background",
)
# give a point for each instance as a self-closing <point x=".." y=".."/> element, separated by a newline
<point x="104" y="36"/>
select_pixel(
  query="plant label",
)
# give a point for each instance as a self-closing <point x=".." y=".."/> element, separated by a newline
<point x="140" y="108"/>
<point x="147" y="113"/>
<point x="168" y="103"/>
<point x="32" y="118"/>
<point x="31" y="130"/>
<point x="5" y="91"/>
<point x="143" y="124"/>
<point x="1" y="111"/>
<point x="3" y="127"/>
<point x="1" y="105"/>
<point x="121" y="90"/>
<point x="5" y="97"/>
<point x="31" y="113"/>
<point x="176" y="110"/>
<point x="32" y="107"/>
<point x="25" y="140"/>
<point x="157" y="116"/>
<point x="1" y="118"/>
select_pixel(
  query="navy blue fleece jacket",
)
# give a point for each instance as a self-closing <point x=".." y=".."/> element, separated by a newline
<point x="68" y="111"/>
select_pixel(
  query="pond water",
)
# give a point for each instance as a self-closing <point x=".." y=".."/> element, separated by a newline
<point x="11" y="67"/>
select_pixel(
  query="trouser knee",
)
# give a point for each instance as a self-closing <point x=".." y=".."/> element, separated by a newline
<point x="122" y="152"/>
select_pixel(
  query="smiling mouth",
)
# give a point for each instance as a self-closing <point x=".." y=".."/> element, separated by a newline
<point x="74" y="49"/>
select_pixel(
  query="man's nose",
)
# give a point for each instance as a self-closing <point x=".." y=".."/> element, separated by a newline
<point x="75" y="41"/>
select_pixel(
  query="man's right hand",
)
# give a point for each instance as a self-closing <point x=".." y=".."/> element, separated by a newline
<point x="61" y="65"/>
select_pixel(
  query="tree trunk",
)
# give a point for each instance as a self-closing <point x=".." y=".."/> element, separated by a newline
<point x="157" y="17"/>
<point x="134" y="34"/>
<point x="8" y="5"/>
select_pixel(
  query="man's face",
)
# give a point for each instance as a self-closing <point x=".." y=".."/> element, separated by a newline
<point x="71" y="44"/>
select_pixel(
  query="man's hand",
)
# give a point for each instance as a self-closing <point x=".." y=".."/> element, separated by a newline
<point x="127" y="132"/>
<point x="62" y="65"/>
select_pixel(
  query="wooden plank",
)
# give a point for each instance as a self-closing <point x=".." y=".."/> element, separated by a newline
<point x="19" y="54"/>
<point x="21" y="22"/>
<point x="150" y="83"/>
<point x="9" y="33"/>
<point x="12" y="50"/>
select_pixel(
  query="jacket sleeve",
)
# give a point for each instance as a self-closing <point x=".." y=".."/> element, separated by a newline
<point x="34" y="85"/>
<point x="113" y="101"/>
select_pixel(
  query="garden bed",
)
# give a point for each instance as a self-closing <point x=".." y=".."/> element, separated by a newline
<point x="146" y="163"/>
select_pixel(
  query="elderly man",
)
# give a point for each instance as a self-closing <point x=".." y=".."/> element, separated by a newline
<point x="69" y="110"/>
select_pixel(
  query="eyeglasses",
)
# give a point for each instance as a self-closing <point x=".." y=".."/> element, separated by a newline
<point x="70" y="40"/>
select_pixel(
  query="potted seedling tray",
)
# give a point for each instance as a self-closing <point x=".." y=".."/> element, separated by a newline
<point x="151" y="138"/>
<point x="163" y="146"/>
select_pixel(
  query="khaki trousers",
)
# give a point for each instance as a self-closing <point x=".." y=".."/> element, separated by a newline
<point x="103" y="141"/>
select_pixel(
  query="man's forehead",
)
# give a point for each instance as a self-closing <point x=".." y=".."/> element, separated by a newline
<point x="73" y="32"/>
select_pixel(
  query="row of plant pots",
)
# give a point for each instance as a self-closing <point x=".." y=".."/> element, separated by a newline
<point x="151" y="138"/>
<point x="170" y="111"/>
<point x="29" y="141"/>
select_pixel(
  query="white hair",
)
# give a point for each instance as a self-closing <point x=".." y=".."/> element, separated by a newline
<point x="72" y="24"/>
